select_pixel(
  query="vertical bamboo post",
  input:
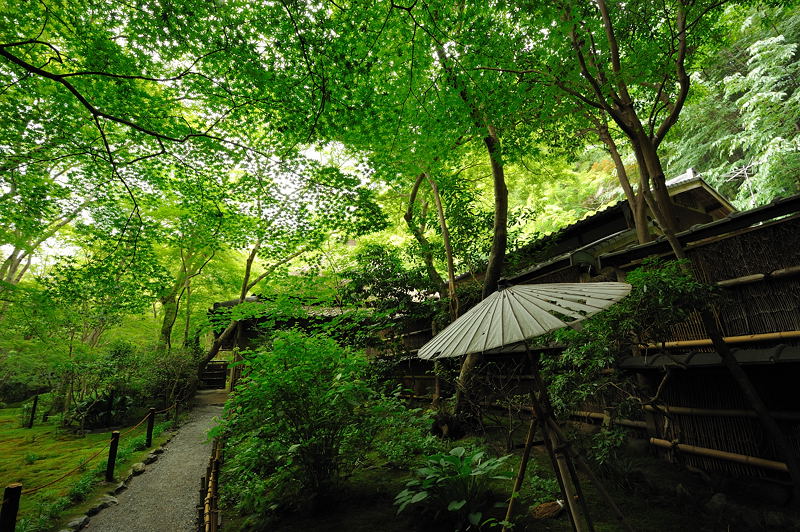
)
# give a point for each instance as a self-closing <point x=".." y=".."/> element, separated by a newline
<point x="151" y="421"/>
<point x="561" y="461"/>
<point x="112" y="456"/>
<point x="33" y="410"/>
<point x="214" y="487"/>
<point x="523" y="466"/>
<point x="201" y="525"/>
<point x="8" y="512"/>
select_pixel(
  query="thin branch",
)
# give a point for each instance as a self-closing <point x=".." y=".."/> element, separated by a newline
<point x="683" y="79"/>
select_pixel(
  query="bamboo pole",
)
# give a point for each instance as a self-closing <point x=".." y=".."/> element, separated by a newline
<point x="722" y="455"/>
<point x="588" y="470"/>
<point x="556" y="449"/>
<point x="613" y="420"/>
<point x="523" y="466"/>
<point x="706" y="342"/>
<point x="755" y="278"/>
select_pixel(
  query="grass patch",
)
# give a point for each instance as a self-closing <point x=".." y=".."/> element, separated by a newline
<point x="45" y="452"/>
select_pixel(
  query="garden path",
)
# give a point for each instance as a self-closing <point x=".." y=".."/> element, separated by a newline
<point x="163" y="498"/>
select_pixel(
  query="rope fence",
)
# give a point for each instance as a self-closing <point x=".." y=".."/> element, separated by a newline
<point x="12" y="493"/>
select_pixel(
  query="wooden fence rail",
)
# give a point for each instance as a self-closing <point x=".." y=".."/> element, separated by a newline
<point x="208" y="517"/>
<point x="674" y="445"/>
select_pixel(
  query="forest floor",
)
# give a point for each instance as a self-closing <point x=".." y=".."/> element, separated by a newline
<point x="644" y="489"/>
<point x="163" y="499"/>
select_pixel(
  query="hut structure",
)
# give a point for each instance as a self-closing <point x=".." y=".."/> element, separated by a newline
<point x="702" y="419"/>
<point x="569" y="255"/>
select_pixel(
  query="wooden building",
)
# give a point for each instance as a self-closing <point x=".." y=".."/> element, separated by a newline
<point x="702" y="418"/>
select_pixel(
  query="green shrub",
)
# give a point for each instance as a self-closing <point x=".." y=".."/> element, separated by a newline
<point x="662" y="295"/>
<point x="543" y="488"/>
<point x="405" y="439"/>
<point x="301" y="421"/>
<point x="82" y="488"/>
<point x="453" y="488"/>
<point x="46" y="511"/>
<point x="30" y="458"/>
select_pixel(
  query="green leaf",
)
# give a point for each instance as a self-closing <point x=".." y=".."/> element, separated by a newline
<point x="458" y="451"/>
<point x="456" y="505"/>
<point x="419" y="496"/>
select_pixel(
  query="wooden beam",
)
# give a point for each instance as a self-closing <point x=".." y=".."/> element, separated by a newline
<point x="722" y="455"/>
<point x="706" y="342"/>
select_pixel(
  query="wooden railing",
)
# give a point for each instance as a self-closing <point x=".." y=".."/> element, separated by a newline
<point x="208" y="516"/>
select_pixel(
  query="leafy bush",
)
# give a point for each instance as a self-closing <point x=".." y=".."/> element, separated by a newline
<point x="82" y="488"/>
<point x="662" y="295"/>
<point x="94" y="412"/>
<point x="543" y="488"/>
<point x="300" y="422"/>
<point x="30" y="458"/>
<point x="46" y="511"/>
<point x="405" y="436"/>
<point x="453" y="488"/>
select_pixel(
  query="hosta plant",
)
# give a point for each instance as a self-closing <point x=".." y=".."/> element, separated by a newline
<point x="453" y="488"/>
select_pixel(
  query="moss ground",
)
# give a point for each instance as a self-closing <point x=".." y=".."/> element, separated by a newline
<point x="43" y="453"/>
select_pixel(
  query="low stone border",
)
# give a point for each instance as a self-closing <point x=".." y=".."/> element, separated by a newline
<point x="109" y="498"/>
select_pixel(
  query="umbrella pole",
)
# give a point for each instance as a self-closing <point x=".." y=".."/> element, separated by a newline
<point x="556" y="448"/>
<point x="588" y="470"/>
<point x="523" y="466"/>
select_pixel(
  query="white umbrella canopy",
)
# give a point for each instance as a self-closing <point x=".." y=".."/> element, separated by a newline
<point x="517" y="313"/>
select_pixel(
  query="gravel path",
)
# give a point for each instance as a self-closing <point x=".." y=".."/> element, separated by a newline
<point x="163" y="498"/>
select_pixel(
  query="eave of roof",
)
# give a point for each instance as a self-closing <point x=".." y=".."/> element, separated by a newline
<point x="732" y="222"/>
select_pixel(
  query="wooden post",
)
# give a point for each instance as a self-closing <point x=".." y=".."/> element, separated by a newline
<point x="201" y="522"/>
<point x="177" y="413"/>
<point x="8" y="512"/>
<point x="33" y="410"/>
<point x="214" y="484"/>
<point x="112" y="456"/>
<point x="151" y="421"/>
<point x="560" y="460"/>
<point x="523" y="466"/>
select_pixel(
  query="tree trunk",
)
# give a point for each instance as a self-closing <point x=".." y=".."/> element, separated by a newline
<point x="500" y="228"/>
<point x="188" y="313"/>
<point x="217" y="344"/>
<point x="169" y="304"/>
<point x="636" y="201"/>
<point x="419" y="234"/>
<point x="494" y="269"/>
<point x="448" y="249"/>
<point x="247" y="285"/>
<point x="648" y="156"/>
